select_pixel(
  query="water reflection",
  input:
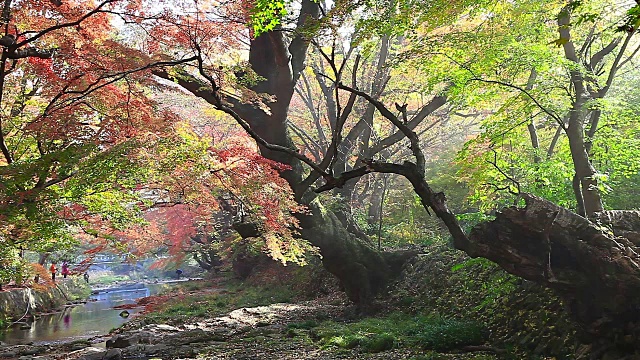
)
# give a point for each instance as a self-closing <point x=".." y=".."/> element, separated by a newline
<point x="96" y="317"/>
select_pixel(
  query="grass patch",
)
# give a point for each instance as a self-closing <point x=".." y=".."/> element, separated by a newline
<point x="108" y="279"/>
<point x="305" y="325"/>
<point x="78" y="289"/>
<point x="400" y="330"/>
<point x="183" y="307"/>
<point x="193" y="285"/>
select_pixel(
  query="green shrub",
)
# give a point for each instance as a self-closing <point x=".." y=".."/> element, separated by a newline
<point x="345" y="341"/>
<point x="398" y="329"/>
<point x="379" y="342"/>
<point x="368" y="342"/>
<point x="443" y="334"/>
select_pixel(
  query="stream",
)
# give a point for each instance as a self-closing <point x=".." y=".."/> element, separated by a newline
<point x="96" y="317"/>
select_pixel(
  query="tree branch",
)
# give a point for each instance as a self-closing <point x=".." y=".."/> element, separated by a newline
<point x="413" y="138"/>
<point x="524" y="91"/>
<point x="64" y="25"/>
<point x="435" y="103"/>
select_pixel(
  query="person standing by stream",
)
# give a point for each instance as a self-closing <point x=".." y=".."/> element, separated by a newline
<point x="65" y="269"/>
<point x="53" y="271"/>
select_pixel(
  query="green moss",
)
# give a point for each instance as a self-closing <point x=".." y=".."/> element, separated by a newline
<point x="379" y="342"/>
<point x="443" y="334"/>
<point x="399" y="329"/>
<point x="308" y="324"/>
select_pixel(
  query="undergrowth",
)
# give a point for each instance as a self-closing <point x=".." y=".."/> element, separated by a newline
<point x="396" y="330"/>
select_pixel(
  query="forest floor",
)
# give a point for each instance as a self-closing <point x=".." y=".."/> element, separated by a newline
<point x="312" y="329"/>
<point x="445" y="306"/>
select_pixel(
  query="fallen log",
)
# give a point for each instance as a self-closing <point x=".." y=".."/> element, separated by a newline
<point x="593" y="264"/>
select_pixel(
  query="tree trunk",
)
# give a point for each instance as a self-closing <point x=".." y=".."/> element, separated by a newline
<point x="345" y="212"/>
<point x="362" y="271"/>
<point x="596" y="271"/>
<point x="589" y="200"/>
<point x="533" y="132"/>
<point x="584" y="172"/>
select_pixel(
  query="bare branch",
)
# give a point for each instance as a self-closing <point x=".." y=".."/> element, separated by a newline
<point x="597" y="57"/>
<point x="435" y="103"/>
<point x="413" y="138"/>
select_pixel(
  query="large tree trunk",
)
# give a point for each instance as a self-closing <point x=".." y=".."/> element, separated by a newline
<point x="594" y="266"/>
<point x="362" y="271"/>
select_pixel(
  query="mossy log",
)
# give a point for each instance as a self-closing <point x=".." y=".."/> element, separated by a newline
<point x="590" y="263"/>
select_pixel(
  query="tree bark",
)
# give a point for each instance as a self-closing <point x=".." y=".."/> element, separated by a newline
<point x="362" y="271"/>
<point x="595" y="270"/>
<point x="588" y="198"/>
<point x="533" y="132"/>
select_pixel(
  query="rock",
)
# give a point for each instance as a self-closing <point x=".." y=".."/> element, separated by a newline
<point x="188" y="337"/>
<point x="32" y="351"/>
<point x="164" y="327"/>
<point x="77" y="346"/>
<point x="111" y="354"/>
<point x="85" y="352"/>
<point x="187" y="350"/>
<point x="127" y="339"/>
<point x="122" y="341"/>
<point x="8" y="354"/>
<point x="156" y="349"/>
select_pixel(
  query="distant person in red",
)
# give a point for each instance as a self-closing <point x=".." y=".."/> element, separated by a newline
<point x="65" y="269"/>
<point x="53" y="271"/>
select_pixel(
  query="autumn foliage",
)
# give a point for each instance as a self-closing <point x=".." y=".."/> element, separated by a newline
<point x="89" y="152"/>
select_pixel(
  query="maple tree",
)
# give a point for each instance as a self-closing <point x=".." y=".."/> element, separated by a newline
<point x="65" y="113"/>
<point x="75" y="112"/>
<point x="198" y="186"/>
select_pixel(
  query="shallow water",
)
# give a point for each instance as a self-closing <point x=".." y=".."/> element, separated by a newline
<point x="96" y="317"/>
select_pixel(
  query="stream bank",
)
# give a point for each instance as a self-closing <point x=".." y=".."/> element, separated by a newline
<point x="21" y="303"/>
<point x="445" y="306"/>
